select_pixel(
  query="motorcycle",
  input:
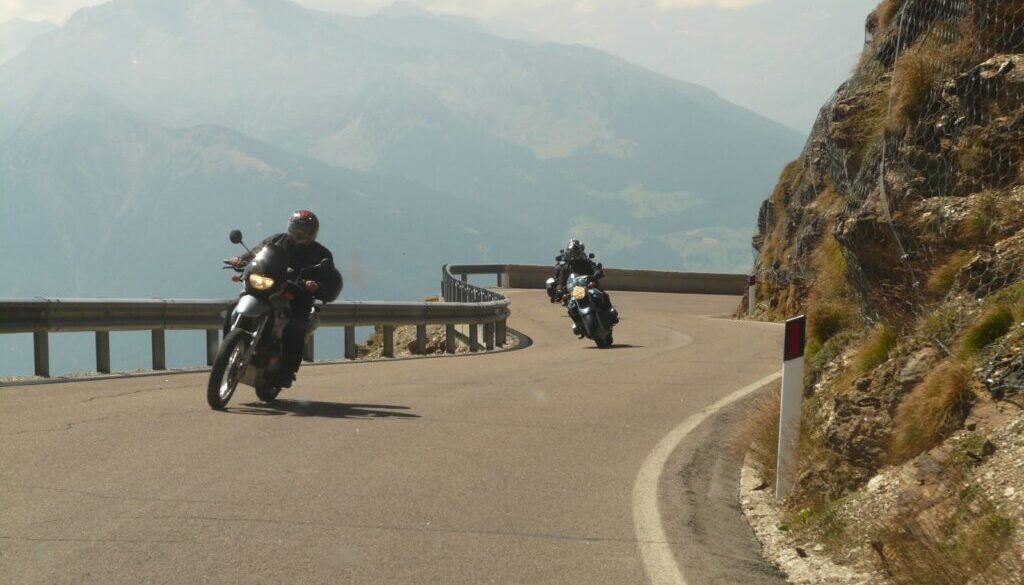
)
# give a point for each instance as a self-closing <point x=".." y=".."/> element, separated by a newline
<point x="593" y="317"/>
<point x="250" y="353"/>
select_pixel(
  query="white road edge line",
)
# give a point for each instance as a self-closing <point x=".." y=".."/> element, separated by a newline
<point x="658" y="558"/>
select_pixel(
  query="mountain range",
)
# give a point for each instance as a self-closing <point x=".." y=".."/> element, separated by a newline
<point x="542" y="139"/>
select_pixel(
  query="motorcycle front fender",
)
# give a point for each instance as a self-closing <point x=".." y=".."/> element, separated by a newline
<point x="585" y="308"/>
<point x="249" y="312"/>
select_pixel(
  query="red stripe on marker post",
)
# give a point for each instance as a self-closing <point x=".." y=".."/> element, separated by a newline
<point x="796" y="338"/>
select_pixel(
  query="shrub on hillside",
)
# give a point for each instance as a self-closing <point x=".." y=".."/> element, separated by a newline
<point x="990" y="326"/>
<point x="937" y="406"/>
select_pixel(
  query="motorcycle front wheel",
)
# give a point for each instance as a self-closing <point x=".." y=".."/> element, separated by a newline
<point x="227" y="368"/>
<point x="596" y="331"/>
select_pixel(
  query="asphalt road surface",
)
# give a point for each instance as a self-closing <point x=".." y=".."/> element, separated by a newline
<point x="518" y="467"/>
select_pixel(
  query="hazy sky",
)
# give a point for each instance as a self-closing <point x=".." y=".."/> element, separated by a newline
<point x="780" y="58"/>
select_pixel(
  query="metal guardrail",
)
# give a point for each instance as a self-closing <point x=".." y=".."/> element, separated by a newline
<point x="470" y="305"/>
<point x="482" y="312"/>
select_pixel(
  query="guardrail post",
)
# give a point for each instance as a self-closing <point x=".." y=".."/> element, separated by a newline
<point x="350" y="342"/>
<point x="103" y="352"/>
<point x="309" y="350"/>
<point x="489" y="336"/>
<point x="450" y="341"/>
<point x="465" y="278"/>
<point x="159" y="350"/>
<point x="41" y="349"/>
<point x="421" y="340"/>
<point x="474" y="340"/>
<point x="389" y="341"/>
<point x="212" y="345"/>
<point x="501" y="333"/>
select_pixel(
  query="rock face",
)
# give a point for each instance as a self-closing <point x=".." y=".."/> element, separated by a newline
<point x="900" y="233"/>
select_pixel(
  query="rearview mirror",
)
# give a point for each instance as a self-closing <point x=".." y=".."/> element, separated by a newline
<point x="591" y="255"/>
<point x="235" y="236"/>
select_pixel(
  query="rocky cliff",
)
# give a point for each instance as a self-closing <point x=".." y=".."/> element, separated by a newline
<point x="900" y="232"/>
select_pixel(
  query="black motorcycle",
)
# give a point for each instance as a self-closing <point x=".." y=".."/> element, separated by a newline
<point x="592" y="315"/>
<point x="250" y="353"/>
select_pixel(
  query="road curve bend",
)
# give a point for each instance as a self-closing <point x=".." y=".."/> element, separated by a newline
<point x="512" y="467"/>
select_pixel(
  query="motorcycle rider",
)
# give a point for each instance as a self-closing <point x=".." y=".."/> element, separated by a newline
<point x="324" y="283"/>
<point x="575" y="260"/>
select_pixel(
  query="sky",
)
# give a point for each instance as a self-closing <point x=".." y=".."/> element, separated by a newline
<point x="780" y="58"/>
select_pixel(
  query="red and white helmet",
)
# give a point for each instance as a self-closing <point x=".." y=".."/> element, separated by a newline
<point x="303" y="226"/>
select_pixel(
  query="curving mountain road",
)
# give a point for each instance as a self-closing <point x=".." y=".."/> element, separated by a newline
<point x="515" y="467"/>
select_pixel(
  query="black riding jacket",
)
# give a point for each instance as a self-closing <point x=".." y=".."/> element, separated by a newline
<point x="579" y="266"/>
<point x="303" y="255"/>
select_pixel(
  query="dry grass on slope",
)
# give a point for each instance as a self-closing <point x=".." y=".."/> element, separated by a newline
<point x="936" y="407"/>
<point x="758" y="436"/>
<point x="963" y="539"/>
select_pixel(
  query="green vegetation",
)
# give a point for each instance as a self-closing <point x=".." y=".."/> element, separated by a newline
<point x="941" y="323"/>
<point x="942" y="278"/>
<point x="826" y="519"/>
<point x="831" y="306"/>
<point x="984" y="218"/>
<point x="1013" y="298"/>
<point x="876" y="349"/>
<point x="820" y="355"/>
<point x="994" y="323"/>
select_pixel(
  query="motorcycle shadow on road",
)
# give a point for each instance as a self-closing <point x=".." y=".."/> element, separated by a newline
<point x="323" y="409"/>
<point x="614" y="346"/>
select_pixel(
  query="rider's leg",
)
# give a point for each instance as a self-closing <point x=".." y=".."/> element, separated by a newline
<point x="293" y="343"/>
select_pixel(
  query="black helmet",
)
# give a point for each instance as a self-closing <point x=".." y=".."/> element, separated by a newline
<point x="575" y="249"/>
<point x="303" y="226"/>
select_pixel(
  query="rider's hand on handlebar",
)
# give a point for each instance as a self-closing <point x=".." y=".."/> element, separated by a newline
<point x="235" y="261"/>
<point x="311" y="286"/>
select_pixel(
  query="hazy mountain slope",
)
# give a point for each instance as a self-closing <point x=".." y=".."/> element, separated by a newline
<point x="566" y="138"/>
<point x="98" y="201"/>
<point x="16" y="34"/>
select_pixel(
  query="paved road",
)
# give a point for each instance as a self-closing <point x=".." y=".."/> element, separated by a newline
<point x="507" y="468"/>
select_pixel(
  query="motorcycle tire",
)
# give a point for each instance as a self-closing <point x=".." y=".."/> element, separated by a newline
<point x="267" y="392"/>
<point x="595" y="330"/>
<point x="227" y="369"/>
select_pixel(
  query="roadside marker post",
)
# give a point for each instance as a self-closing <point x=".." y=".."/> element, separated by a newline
<point x="752" y="295"/>
<point x="792" y="397"/>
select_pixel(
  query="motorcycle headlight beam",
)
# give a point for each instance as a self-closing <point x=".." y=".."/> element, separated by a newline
<point x="260" y="282"/>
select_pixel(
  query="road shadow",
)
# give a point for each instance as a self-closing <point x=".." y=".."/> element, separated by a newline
<point x="616" y="346"/>
<point x="323" y="409"/>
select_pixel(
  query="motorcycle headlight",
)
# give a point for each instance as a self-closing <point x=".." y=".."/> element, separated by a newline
<point x="260" y="282"/>
<point x="579" y="293"/>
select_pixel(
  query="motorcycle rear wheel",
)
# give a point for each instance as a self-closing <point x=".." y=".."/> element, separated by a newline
<point x="227" y="370"/>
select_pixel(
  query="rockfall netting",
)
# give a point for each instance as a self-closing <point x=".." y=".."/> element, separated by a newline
<point x="920" y="155"/>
